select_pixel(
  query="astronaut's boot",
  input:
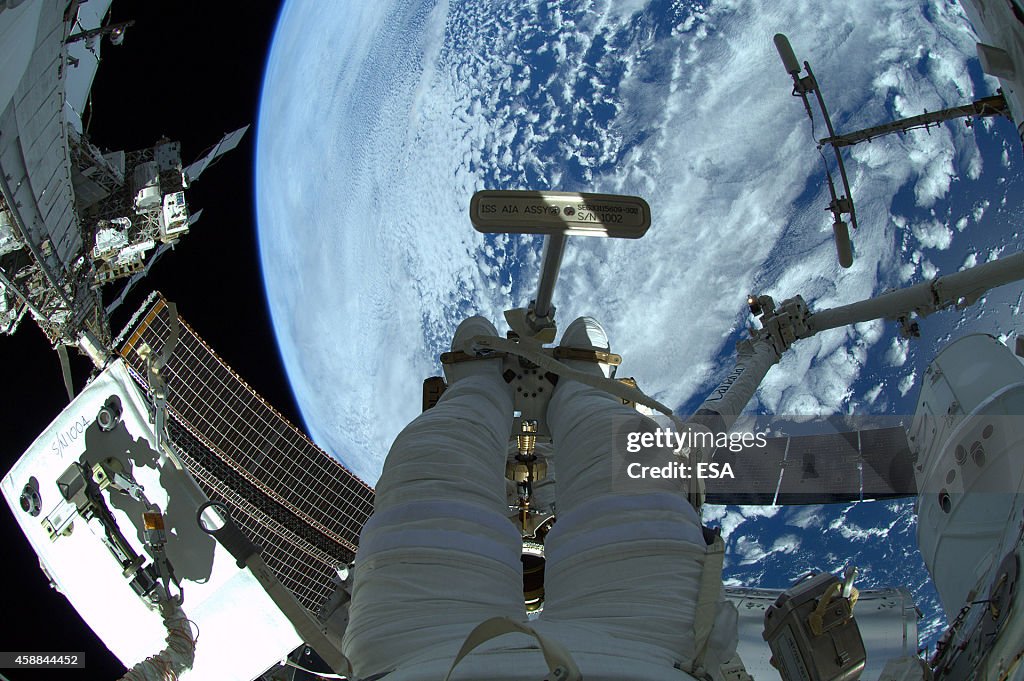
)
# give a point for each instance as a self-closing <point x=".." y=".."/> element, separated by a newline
<point x="462" y="341"/>
<point x="586" y="333"/>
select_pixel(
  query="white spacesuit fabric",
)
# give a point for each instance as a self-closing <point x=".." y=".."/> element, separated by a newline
<point x="629" y="562"/>
<point x="439" y="556"/>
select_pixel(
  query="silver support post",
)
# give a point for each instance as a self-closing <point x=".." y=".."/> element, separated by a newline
<point x="845" y="204"/>
<point x="756" y="355"/>
<point x="959" y="289"/>
<point x="987" y="106"/>
<point x="554" y="248"/>
<point x="726" y="402"/>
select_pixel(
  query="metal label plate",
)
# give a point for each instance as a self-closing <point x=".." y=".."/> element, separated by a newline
<point x="566" y="213"/>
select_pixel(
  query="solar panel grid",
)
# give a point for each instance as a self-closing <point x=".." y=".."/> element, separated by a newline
<point x="310" y="480"/>
<point x="232" y="446"/>
<point x="212" y="466"/>
<point x="300" y="505"/>
<point x="302" y="567"/>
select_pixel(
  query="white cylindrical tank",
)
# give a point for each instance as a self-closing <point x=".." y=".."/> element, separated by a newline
<point x="146" y="182"/>
<point x="965" y="432"/>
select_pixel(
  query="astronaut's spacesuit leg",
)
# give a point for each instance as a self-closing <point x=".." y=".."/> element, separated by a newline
<point x="439" y="555"/>
<point x="622" y="559"/>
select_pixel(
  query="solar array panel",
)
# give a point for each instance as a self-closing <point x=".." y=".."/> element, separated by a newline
<point x="304" y="562"/>
<point x="294" y="500"/>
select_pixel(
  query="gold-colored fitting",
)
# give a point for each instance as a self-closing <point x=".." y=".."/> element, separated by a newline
<point x="526" y="440"/>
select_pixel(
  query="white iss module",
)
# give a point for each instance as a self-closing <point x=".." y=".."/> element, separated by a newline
<point x="105" y="442"/>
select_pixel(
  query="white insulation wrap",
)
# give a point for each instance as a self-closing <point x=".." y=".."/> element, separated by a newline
<point x="624" y="571"/>
<point x="173" y="660"/>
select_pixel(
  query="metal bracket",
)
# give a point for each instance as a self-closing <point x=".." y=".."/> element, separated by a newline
<point x="155" y="378"/>
<point x="783" y="326"/>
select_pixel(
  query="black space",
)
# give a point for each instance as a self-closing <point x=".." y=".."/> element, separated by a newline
<point x="191" y="71"/>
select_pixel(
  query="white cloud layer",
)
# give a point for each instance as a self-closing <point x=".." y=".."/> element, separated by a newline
<point x="729" y="518"/>
<point x="379" y="121"/>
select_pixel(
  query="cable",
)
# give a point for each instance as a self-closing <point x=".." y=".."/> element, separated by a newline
<point x="322" y="675"/>
<point x="177" y="657"/>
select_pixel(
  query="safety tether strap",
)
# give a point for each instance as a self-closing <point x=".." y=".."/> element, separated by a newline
<point x="561" y="666"/>
<point x="707" y="603"/>
<point x="542" y="360"/>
